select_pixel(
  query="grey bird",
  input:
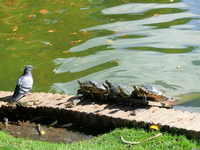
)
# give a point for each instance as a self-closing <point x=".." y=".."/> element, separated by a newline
<point x="24" y="84"/>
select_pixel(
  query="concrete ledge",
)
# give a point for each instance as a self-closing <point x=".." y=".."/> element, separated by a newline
<point x="102" y="114"/>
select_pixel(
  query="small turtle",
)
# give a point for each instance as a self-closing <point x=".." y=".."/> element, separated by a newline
<point x="125" y="91"/>
<point x="98" y="88"/>
<point x="149" y="91"/>
<point x="112" y="88"/>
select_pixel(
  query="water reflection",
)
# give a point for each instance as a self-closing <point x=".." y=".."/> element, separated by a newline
<point x="169" y="28"/>
<point x="140" y="8"/>
<point x="189" y="102"/>
<point x="136" y="68"/>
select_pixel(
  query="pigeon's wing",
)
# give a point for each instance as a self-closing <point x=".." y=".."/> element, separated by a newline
<point x="25" y="84"/>
<point x="17" y="96"/>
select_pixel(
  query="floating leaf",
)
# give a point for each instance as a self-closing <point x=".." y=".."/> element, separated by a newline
<point x="121" y="10"/>
<point x="31" y="41"/>
<point x="110" y="41"/>
<point x="12" y="48"/>
<point x="56" y="11"/>
<point x="10" y="2"/>
<point x="172" y="47"/>
<point x="22" y="37"/>
<point x="53" y="30"/>
<point x="72" y="43"/>
<point x="44" y="11"/>
<point x="155" y="15"/>
<point x="78" y="58"/>
<point x="85" y="32"/>
<point x="31" y="16"/>
<point x="117" y="61"/>
<point x="14" y="28"/>
<point x="123" y="35"/>
<point x="77" y="41"/>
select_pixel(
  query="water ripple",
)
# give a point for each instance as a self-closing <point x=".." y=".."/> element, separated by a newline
<point x="140" y="7"/>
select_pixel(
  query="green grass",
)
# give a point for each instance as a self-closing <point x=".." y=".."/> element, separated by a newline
<point x="109" y="141"/>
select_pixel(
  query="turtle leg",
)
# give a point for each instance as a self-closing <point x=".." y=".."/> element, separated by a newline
<point x="79" y="91"/>
<point x="106" y="97"/>
<point x="92" y="94"/>
<point x="144" y="98"/>
<point x="102" y="96"/>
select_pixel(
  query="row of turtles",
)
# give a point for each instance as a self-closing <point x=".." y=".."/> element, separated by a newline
<point x="150" y="92"/>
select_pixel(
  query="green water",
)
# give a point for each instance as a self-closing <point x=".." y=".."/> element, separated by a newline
<point x="125" y="41"/>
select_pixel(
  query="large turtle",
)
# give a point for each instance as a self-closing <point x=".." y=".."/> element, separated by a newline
<point x="98" y="88"/>
<point x="125" y="91"/>
<point x="86" y="86"/>
<point x="150" y="91"/>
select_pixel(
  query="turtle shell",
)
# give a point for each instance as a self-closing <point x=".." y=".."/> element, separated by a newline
<point x="112" y="88"/>
<point x="98" y="87"/>
<point x="150" y="91"/>
<point x="86" y="86"/>
<point x="125" y="91"/>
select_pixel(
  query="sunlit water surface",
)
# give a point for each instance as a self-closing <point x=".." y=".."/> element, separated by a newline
<point x="129" y="42"/>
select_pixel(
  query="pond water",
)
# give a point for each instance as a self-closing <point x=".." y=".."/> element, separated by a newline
<point x="131" y="42"/>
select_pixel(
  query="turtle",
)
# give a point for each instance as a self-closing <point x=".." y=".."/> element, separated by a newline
<point x="150" y="91"/>
<point x="125" y="91"/>
<point x="98" y="88"/>
<point x="112" y="88"/>
<point x="86" y="86"/>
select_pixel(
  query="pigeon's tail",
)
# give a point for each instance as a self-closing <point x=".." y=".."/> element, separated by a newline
<point x="16" y="99"/>
<point x="17" y="95"/>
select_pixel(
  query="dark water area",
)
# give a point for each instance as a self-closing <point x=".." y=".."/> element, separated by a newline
<point x="49" y="130"/>
<point x="131" y="42"/>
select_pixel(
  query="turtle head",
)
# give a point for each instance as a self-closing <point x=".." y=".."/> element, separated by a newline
<point x="136" y="88"/>
<point x="79" y="82"/>
<point x="108" y="83"/>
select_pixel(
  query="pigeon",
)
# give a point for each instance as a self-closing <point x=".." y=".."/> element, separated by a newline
<point x="24" y="84"/>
